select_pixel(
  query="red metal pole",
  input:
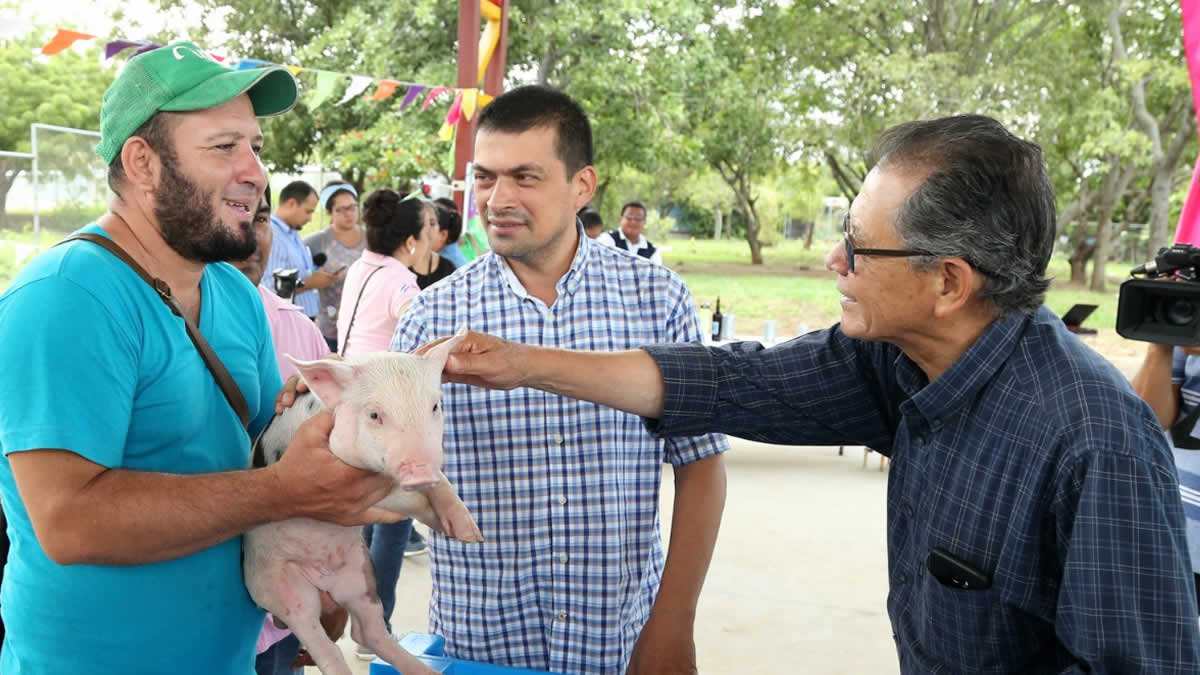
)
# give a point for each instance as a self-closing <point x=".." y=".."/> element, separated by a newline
<point x="468" y="74"/>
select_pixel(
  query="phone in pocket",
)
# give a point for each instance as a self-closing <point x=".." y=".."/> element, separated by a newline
<point x="952" y="572"/>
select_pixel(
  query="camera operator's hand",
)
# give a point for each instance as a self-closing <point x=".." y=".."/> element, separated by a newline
<point x="319" y="280"/>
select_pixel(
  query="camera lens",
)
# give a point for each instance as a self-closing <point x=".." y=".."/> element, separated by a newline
<point x="1179" y="312"/>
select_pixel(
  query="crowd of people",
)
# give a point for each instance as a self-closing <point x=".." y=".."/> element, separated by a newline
<point x="1035" y="522"/>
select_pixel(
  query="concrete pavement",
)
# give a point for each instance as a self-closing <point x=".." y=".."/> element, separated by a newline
<point x="798" y="581"/>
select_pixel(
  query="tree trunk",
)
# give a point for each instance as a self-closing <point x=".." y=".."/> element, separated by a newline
<point x="1079" y="261"/>
<point x="1116" y="184"/>
<point x="597" y="202"/>
<point x="742" y="192"/>
<point x="847" y="182"/>
<point x="718" y="217"/>
<point x="812" y="227"/>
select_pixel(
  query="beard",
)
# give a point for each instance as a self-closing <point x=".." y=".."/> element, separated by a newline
<point x="189" y="225"/>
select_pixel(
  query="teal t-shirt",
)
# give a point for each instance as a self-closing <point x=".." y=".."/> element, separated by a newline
<point x="92" y="361"/>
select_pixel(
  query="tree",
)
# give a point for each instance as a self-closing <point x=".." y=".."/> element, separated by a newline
<point x="64" y="90"/>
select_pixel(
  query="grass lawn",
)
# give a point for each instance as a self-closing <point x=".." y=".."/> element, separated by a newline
<point x="792" y="286"/>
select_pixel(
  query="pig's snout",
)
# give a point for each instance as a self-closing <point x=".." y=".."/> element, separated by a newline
<point x="416" y="476"/>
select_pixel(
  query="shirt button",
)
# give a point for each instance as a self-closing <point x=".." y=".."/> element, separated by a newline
<point x="558" y="439"/>
<point x="902" y="578"/>
<point x="562" y="616"/>
<point x="562" y="499"/>
<point x="562" y="557"/>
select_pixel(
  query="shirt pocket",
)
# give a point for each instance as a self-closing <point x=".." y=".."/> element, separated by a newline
<point x="960" y="627"/>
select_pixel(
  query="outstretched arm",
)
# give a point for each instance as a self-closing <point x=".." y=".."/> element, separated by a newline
<point x="629" y="381"/>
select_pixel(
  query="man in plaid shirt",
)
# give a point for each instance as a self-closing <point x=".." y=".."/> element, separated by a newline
<point x="571" y="576"/>
<point x="1034" y="517"/>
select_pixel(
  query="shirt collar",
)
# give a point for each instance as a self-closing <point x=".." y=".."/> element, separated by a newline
<point x="640" y="243"/>
<point x="380" y="260"/>
<point x="967" y="376"/>
<point x="568" y="284"/>
<point x="282" y="227"/>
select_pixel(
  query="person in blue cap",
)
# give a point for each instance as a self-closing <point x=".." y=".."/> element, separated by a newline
<point x="124" y="473"/>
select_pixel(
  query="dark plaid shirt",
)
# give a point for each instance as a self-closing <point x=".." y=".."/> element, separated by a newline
<point x="1030" y="459"/>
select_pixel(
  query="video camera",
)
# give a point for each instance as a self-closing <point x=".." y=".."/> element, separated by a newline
<point x="287" y="282"/>
<point x="1158" y="308"/>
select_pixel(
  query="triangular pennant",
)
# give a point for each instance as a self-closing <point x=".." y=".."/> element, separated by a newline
<point x="358" y="84"/>
<point x="455" y="110"/>
<point x="386" y="89"/>
<point x="414" y="91"/>
<point x="446" y="132"/>
<point x="150" y="46"/>
<point x="62" y="39"/>
<point x="437" y="91"/>
<point x="468" y="102"/>
<point x="296" y="70"/>
<point x="484" y="99"/>
<point x="326" y="81"/>
<point x="117" y="46"/>
<point x="249" y="64"/>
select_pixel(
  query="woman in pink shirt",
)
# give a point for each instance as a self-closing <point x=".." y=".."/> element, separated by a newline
<point x="399" y="232"/>
<point x="379" y="285"/>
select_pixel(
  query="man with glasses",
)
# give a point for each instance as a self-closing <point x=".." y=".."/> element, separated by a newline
<point x="1034" y="517"/>
<point x="629" y="237"/>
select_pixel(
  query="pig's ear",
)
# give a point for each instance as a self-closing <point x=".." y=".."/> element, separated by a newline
<point x="438" y="355"/>
<point x="327" y="378"/>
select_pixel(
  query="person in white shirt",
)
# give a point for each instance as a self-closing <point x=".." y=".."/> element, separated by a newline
<point x="629" y="236"/>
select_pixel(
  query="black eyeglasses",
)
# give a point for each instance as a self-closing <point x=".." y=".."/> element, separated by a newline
<point x="852" y="250"/>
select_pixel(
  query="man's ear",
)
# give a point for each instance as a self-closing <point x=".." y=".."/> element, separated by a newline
<point x="583" y="186"/>
<point x="957" y="283"/>
<point x="141" y="163"/>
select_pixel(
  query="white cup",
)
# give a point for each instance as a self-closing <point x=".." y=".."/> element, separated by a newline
<point x="769" y="331"/>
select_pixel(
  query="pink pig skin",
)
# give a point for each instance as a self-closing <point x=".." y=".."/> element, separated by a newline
<point x="387" y="418"/>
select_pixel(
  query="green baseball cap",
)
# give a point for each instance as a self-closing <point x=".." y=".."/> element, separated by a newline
<point x="181" y="77"/>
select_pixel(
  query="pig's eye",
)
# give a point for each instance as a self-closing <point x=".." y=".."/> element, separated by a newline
<point x="436" y="406"/>
<point x="375" y="416"/>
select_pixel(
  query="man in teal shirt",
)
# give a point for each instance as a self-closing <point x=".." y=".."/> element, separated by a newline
<point x="125" y="470"/>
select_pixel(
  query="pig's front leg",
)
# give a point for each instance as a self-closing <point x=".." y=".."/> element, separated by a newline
<point x="438" y="507"/>
<point x="456" y="520"/>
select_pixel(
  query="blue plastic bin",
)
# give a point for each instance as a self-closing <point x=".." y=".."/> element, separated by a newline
<point x="430" y="649"/>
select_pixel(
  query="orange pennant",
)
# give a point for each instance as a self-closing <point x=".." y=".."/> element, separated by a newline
<point x="62" y="39"/>
<point x="386" y="89"/>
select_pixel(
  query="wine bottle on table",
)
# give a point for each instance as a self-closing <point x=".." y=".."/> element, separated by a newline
<point x="716" y="322"/>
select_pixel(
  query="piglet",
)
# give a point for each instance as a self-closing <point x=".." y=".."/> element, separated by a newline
<point x="387" y="418"/>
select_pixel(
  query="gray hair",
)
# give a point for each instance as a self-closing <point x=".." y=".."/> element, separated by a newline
<point x="987" y="199"/>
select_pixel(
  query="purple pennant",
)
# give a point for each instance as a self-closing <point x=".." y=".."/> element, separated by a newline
<point x="149" y="46"/>
<point x="117" y="46"/>
<point x="413" y="92"/>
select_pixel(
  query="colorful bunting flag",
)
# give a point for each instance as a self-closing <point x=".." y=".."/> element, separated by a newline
<point x="358" y="84"/>
<point x="455" y="110"/>
<point x="386" y="89"/>
<point x="413" y="92"/>
<point x="437" y="91"/>
<point x="62" y="39"/>
<point x="115" y="47"/>
<point x="468" y="103"/>
<point x="326" y="81"/>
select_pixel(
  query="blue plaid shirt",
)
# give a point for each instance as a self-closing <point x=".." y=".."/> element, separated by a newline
<point x="1030" y="459"/>
<point x="565" y="492"/>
